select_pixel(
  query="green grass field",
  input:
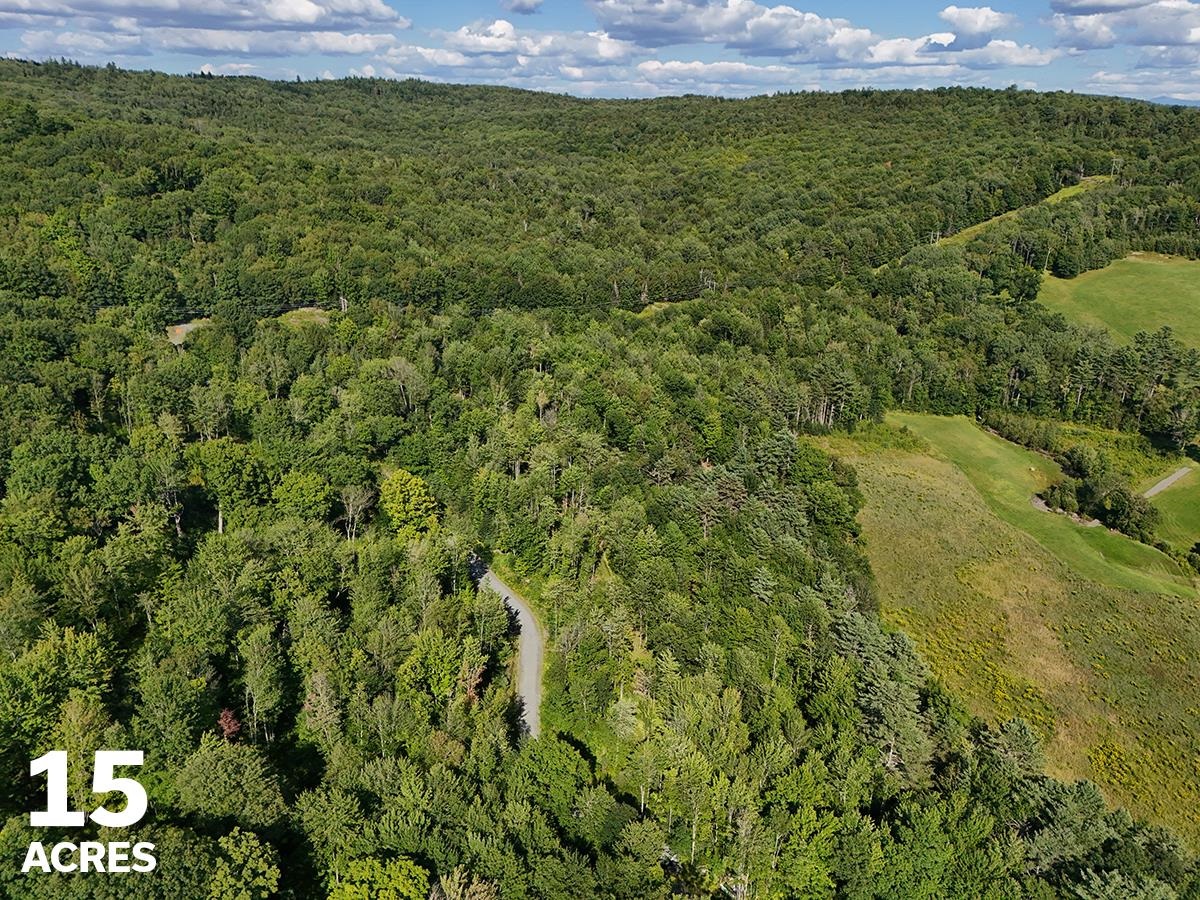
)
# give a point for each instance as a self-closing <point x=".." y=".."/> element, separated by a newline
<point x="1180" y="508"/>
<point x="1086" y="184"/>
<point x="1007" y="475"/>
<point x="1089" y="635"/>
<point x="1141" y="292"/>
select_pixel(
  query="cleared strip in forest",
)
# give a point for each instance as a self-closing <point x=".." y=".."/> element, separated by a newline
<point x="1085" y="184"/>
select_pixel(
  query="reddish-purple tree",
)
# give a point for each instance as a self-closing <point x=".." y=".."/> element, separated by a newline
<point x="228" y="724"/>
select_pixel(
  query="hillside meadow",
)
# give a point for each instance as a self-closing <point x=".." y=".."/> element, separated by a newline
<point x="1179" y="505"/>
<point x="1088" y="635"/>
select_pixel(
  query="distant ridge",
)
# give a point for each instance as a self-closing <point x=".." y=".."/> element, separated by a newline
<point x="1173" y="101"/>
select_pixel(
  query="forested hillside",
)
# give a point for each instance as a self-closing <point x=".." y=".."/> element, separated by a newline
<point x="589" y="336"/>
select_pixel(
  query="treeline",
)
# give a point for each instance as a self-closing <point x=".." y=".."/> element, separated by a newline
<point x="964" y="335"/>
<point x="1106" y="223"/>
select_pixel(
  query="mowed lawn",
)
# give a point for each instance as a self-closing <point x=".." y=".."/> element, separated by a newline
<point x="1180" y="508"/>
<point x="1090" y="636"/>
<point x="1141" y="292"/>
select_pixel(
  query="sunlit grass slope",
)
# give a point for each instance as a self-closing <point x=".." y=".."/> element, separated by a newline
<point x="1089" y="635"/>
<point x="1180" y="508"/>
<point x="1142" y="292"/>
<point x="1007" y="476"/>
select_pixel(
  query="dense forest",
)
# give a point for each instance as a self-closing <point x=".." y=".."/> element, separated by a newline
<point x="589" y="338"/>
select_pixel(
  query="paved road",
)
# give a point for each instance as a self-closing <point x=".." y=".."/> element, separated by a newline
<point x="531" y="648"/>
<point x="1167" y="482"/>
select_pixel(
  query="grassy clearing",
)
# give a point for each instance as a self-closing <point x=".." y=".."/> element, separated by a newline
<point x="1006" y="476"/>
<point x="1141" y="292"/>
<point x="1074" y="190"/>
<point x="1087" y="634"/>
<point x="1180" y="508"/>
<point x="305" y="315"/>
<point x="177" y="334"/>
<point x="1086" y="184"/>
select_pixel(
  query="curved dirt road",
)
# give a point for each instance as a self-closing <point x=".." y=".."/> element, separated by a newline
<point x="530" y="650"/>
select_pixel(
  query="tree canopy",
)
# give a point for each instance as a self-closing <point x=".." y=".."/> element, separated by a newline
<point x="590" y="340"/>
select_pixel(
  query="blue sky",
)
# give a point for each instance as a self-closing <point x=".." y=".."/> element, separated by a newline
<point x="637" y="48"/>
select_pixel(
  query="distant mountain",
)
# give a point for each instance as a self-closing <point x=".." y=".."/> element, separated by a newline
<point x="1172" y="101"/>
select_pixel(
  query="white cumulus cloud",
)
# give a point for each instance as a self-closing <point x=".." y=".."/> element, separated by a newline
<point x="975" y="26"/>
<point x="1162" y="23"/>
<point x="976" y="19"/>
<point x="743" y="25"/>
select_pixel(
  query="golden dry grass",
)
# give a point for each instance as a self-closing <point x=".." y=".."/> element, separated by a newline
<point x="1017" y="622"/>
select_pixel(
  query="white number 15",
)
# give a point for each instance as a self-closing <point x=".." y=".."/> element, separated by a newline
<point x="58" y="812"/>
